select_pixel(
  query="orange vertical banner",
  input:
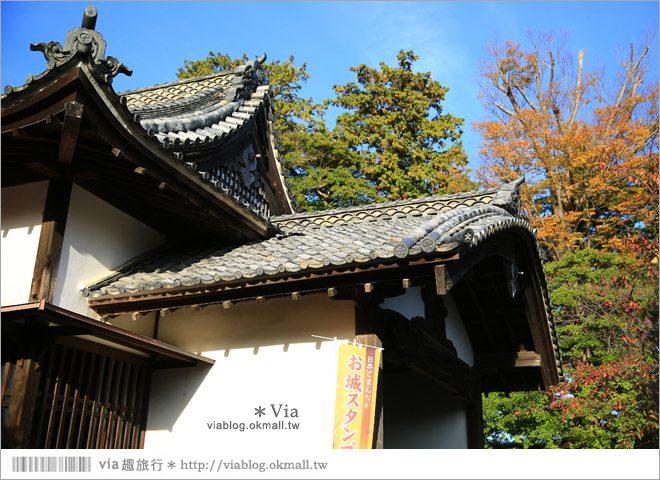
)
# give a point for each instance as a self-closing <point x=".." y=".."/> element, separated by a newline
<point x="357" y="377"/>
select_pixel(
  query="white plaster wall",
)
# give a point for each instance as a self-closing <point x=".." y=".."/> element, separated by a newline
<point x="22" y="214"/>
<point x="98" y="237"/>
<point x="410" y="304"/>
<point x="265" y="355"/>
<point x="456" y="332"/>
<point x="144" y="325"/>
<point x="418" y="413"/>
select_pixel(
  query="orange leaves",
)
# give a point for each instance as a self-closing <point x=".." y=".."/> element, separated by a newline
<point x="591" y="170"/>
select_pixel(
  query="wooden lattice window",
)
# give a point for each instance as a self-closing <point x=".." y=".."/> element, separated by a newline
<point x="90" y="396"/>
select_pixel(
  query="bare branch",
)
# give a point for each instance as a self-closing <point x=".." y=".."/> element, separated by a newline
<point x="631" y="72"/>
<point x="527" y="99"/>
<point x="497" y="85"/>
<point x="539" y="91"/>
<point x="578" y="91"/>
<point x="508" y="112"/>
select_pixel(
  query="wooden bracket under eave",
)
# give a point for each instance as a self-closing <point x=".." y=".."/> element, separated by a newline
<point x="73" y="112"/>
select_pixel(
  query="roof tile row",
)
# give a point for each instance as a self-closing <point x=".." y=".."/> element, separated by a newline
<point x="401" y="230"/>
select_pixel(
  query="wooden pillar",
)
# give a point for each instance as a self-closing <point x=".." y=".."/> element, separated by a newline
<point x="50" y="240"/>
<point x="475" y="419"/>
<point x="17" y="426"/>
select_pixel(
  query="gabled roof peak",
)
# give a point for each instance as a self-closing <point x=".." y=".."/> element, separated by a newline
<point x="82" y="43"/>
<point x="254" y="66"/>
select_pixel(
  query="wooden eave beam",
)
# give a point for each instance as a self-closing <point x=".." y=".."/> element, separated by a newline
<point x="303" y="282"/>
<point x="20" y="110"/>
<point x="538" y="324"/>
<point x="520" y="250"/>
<point x="267" y="165"/>
<point x="65" y="318"/>
<point x="446" y="276"/>
<point x="76" y="84"/>
<point x="45" y="169"/>
<point x="120" y="186"/>
<point x="504" y="360"/>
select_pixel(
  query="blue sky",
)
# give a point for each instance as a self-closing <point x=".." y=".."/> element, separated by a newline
<point x="154" y="38"/>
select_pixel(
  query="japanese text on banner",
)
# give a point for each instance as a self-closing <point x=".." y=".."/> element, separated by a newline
<point x="357" y="377"/>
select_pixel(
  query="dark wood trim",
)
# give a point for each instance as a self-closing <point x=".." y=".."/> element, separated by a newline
<point x="59" y="316"/>
<point x="73" y="112"/>
<point x="532" y="284"/>
<point x="443" y="281"/>
<point x="62" y="83"/>
<point x="108" y="121"/>
<point x="503" y="360"/>
<point x="475" y="419"/>
<point x="143" y="152"/>
<point x="538" y="326"/>
<point x="271" y="170"/>
<point x="330" y="281"/>
<point x="49" y="250"/>
<point x="101" y="349"/>
<point x="407" y="345"/>
<point x="145" y="393"/>
<point x="449" y="275"/>
<point x="264" y="163"/>
<point x="435" y="316"/>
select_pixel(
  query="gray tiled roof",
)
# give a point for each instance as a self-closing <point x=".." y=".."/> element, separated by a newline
<point x="186" y="118"/>
<point x="337" y="238"/>
<point x="199" y="111"/>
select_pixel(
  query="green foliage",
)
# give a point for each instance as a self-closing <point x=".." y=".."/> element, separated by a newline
<point x="322" y="173"/>
<point x="519" y="420"/>
<point x="606" y="309"/>
<point x="607" y="316"/>
<point x="394" y="121"/>
<point x="594" y="293"/>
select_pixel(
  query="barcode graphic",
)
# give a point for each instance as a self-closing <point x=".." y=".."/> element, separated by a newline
<point x="51" y="464"/>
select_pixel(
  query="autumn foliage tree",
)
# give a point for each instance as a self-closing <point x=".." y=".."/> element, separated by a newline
<point x="589" y="150"/>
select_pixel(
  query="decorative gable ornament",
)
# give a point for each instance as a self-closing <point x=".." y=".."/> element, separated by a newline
<point x="85" y="43"/>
